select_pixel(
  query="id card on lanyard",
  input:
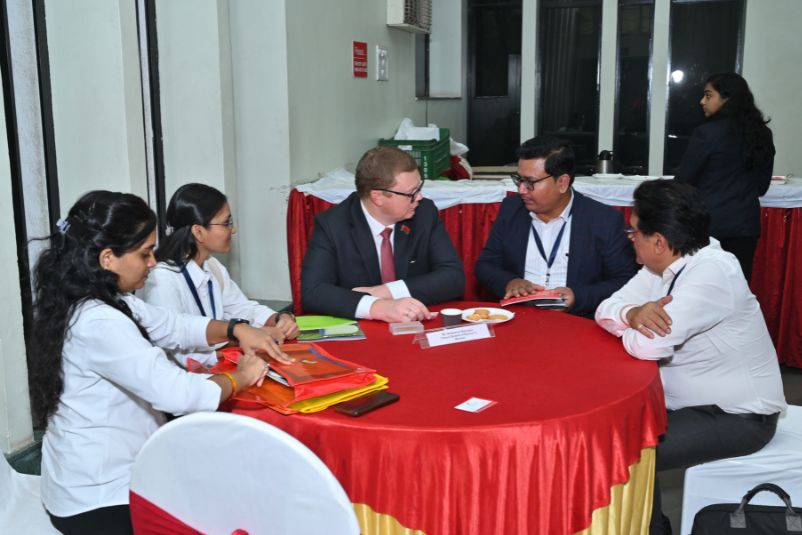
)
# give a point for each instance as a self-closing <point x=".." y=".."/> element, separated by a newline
<point x="554" y="248"/>
<point x="195" y="292"/>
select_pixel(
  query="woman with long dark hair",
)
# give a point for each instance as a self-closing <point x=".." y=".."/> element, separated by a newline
<point x="190" y="280"/>
<point x="100" y="381"/>
<point x="730" y="159"/>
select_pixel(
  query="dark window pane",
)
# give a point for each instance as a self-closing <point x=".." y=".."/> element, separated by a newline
<point x="631" y="144"/>
<point x="569" y="38"/>
<point x="705" y="39"/>
<point x="498" y="36"/>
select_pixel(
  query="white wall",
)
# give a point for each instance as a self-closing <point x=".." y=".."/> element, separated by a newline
<point x="334" y="117"/>
<point x="15" y="414"/>
<point x="97" y="101"/>
<point x="771" y="65"/>
<point x="261" y="118"/>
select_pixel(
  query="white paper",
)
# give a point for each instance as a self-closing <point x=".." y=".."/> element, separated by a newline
<point x="474" y="405"/>
<point x="456" y="335"/>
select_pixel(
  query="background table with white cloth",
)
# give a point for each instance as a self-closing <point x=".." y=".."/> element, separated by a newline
<point x="468" y="209"/>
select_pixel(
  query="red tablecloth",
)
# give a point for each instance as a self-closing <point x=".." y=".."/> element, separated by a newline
<point x="776" y="281"/>
<point x="574" y="412"/>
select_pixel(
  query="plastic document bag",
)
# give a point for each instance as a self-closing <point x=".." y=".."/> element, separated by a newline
<point x="315" y="373"/>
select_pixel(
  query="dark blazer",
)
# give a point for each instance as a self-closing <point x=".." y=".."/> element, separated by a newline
<point x="601" y="258"/>
<point x="342" y="255"/>
<point x="714" y="163"/>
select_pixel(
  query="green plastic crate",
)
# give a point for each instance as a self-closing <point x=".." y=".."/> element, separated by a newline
<point x="433" y="157"/>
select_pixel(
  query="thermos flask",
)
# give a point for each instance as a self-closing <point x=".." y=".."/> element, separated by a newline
<point x="605" y="164"/>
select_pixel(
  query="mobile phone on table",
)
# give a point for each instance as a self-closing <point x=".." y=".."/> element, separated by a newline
<point x="361" y="405"/>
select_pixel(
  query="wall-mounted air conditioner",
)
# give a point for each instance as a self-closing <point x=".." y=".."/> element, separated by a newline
<point x="410" y="15"/>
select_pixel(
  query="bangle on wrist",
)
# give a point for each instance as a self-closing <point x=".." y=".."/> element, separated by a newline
<point x="234" y="385"/>
<point x="233" y="322"/>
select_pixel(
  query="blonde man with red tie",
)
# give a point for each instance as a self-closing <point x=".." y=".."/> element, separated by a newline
<point x="383" y="252"/>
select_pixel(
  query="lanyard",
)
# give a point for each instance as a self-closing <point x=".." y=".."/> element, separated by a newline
<point x="550" y="260"/>
<point x="195" y="292"/>
<point x="671" y="286"/>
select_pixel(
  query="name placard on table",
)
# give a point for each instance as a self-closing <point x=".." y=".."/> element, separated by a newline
<point x="454" y="335"/>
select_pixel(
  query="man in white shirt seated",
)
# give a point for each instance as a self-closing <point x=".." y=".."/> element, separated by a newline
<point x="690" y="308"/>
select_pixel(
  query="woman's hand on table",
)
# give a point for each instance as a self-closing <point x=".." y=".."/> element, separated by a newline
<point x="285" y="322"/>
<point x="520" y="288"/>
<point x="399" y="310"/>
<point x="251" y="369"/>
<point x="651" y="318"/>
<point x="263" y="340"/>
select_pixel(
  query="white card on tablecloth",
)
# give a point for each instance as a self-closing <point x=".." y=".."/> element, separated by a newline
<point x="475" y="405"/>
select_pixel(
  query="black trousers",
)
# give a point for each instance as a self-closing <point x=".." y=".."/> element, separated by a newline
<point x="697" y="435"/>
<point x="744" y="251"/>
<point x="114" y="520"/>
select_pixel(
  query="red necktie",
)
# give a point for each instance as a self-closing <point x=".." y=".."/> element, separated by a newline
<point x="387" y="264"/>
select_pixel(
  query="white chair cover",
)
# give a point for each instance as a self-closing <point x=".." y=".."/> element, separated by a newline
<point x="727" y="480"/>
<point x="21" y="509"/>
<point x="218" y="472"/>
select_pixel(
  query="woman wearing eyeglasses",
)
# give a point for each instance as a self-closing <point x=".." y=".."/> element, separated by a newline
<point x="730" y="159"/>
<point x="189" y="279"/>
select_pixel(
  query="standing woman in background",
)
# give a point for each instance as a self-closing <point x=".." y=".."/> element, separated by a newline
<point x="100" y="381"/>
<point x="730" y="159"/>
<point x="188" y="279"/>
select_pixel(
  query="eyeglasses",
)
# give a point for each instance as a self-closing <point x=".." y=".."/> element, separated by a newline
<point x="411" y="195"/>
<point x="529" y="182"/>
<point x="227" y="223"/>
<point x="631" y="232"/>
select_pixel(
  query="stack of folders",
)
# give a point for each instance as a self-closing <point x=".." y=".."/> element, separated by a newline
<point x="314" y="381"/>
<point x="328" y="329"/>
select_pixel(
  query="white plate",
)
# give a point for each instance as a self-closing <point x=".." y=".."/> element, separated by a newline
<point x="607" y="175"/>
<point x="469" y="311"/>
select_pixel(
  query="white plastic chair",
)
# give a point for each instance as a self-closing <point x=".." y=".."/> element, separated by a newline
<point x="219" y="472"/>
<point x="727" y="480"/>
<point x="21" y="509"/>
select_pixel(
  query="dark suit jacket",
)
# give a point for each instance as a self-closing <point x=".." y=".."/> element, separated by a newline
<point x="601" y="258"/>
<point x="342" y="255"/>
<point x="714" y="163"/>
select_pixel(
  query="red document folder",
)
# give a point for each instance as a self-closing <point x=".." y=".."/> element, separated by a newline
<point x="314" y="373"/>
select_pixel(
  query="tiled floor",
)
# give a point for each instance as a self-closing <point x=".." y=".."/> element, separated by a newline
<point x="671" y="481"/>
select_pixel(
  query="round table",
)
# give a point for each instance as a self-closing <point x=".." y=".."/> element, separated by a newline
<point x="573" y="415"/>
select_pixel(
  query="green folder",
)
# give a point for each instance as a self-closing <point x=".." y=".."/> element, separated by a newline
<point x="310" y="323"/>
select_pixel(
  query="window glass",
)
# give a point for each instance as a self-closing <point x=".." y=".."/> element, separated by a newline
<point x="569" y="40"/>
<point x="706" y="39"/>
<point x="631" y="143"/>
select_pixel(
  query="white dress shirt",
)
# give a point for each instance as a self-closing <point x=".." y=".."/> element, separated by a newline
<point x="398" y="288"/>
<point x="166" y="287"/>
<point x="536" y="268"/>
<point x="718" y="351"/>
<point x="115" y="385"/>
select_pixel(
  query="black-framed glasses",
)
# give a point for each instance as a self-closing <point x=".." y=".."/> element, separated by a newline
<point x="227" y="223"/>
<point x="412" y="194"/>
<point x="529" y="182"/>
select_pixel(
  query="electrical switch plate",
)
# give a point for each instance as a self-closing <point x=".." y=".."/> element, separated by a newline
<point x="382" y="70"/>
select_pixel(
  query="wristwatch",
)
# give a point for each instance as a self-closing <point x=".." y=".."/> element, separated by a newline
<point x="285" y="313"/>
<point x="233" y="322"/>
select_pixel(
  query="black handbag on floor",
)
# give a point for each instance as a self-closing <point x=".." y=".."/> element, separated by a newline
<point x="745" y="519"/>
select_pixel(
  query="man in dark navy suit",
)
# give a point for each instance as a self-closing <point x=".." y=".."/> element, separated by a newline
<point x="551" y="237"/>
<point x="383" y="252"/>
